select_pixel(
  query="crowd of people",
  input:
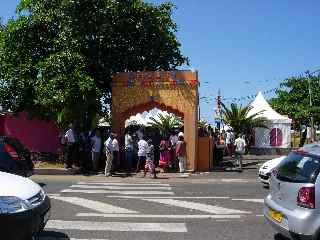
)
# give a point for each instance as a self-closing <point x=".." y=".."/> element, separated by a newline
<point x="98" y="149"/>
<point x="90" y="151"/>
<point x="225" y="143"/>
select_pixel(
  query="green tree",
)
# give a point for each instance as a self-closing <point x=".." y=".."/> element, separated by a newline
<point x="292" y="99"/>
<point x="57" y="57"/>
<point x="238" y="118"/>
<point x="166" y="123"/>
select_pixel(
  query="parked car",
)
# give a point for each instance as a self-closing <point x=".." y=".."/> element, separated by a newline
<point x="14" y="157"/>
<point x="24" y="208"/>
<point x="266" y="169"/>
<point x="293" y="204"/>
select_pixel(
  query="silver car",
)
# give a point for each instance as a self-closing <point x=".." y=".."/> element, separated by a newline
<point x="293" y="205"/>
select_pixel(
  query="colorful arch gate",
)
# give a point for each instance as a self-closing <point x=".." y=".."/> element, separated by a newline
<point x="172" y="91"/>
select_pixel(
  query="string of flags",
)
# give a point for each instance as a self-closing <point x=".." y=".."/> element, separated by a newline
<point x="237" y="99"/>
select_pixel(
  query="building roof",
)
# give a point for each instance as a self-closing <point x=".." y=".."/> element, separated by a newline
<point x="261" y="105"/>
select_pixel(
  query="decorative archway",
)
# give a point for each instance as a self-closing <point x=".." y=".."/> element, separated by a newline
<point x="173" y="91"/>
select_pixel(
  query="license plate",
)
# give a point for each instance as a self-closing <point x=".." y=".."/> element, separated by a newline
<point x="46" y="217"/>
<point x="278" y="216"/>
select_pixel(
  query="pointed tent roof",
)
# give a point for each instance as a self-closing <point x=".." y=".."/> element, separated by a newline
<point x="145" y="117"/>
<point x="261" y="105"/>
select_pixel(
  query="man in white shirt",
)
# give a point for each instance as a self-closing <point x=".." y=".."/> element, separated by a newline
<point x="240" y="144"/>
<point x="230" y="142"/>
<point x="96" y="149"/>
<point x="109" y="155"/>
<point x="142" y="153"/>
<point x="70" y="145"/>
<point x="115" y="147"/>
<point x="129" y="150"/>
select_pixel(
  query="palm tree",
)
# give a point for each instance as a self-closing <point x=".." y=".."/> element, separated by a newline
<point x="165" y="123"/>
<point x="203" y="124"/>
<point x="238" y="118"/>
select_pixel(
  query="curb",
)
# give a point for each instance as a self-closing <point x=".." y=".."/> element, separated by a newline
<point x="52" y="171"/>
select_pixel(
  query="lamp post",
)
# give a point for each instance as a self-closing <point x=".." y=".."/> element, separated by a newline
<point x="313" y="133"/>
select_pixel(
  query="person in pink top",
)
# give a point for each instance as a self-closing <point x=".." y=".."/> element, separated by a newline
<point x="165" y="156"/>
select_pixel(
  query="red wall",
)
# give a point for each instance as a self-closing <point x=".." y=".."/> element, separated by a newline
<point x="37" y="135"/>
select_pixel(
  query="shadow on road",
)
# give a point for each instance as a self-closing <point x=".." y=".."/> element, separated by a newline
<point x="280" y="237"/>
<point x="52" y="235"/>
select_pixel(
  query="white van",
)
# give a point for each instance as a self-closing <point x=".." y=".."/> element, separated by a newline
<point x="24" y="208"/>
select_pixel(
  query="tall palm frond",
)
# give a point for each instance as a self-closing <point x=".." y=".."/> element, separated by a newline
<point x="238" y="118"/>
<point x="203" y="124"/>
<point x="165" y="123"/>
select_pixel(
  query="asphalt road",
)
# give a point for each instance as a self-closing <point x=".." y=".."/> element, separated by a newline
<point x="210" y="207"/>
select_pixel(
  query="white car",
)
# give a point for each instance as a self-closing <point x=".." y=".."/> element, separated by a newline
<point x="24" y="208"/>
<point x="266" y="169"/>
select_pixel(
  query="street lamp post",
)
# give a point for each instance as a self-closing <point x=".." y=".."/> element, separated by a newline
<point x="313" y="133"/>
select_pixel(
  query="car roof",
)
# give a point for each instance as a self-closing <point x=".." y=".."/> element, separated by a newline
<point x="311" y="149"/>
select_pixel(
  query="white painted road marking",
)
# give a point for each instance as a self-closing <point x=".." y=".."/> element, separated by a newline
<point x="117" y="226"/>
<point x="53" y="195"/>
<point x="121" y="187"/>
<point x="235" y="180"/>
<point x="197" y="206"/>
<point x="118" y="192"/>
<point x="135" y="197"/>
<point x="184" y="216"/>
<point x="67" y="238"/>
<point x="249" y="200"/>
<point x="93" y="205"/>
<point x="125" y="184"/>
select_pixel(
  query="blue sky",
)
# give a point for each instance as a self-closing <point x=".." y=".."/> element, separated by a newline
<point x="242" y="46"/>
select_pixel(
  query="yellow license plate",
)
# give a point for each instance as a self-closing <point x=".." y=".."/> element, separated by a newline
<point x="278" y="216"/>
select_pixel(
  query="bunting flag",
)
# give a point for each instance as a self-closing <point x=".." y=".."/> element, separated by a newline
<point x="241" y="99"/>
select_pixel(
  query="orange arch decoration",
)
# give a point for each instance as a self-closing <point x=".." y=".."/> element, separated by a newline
<point x="173" y="91"/>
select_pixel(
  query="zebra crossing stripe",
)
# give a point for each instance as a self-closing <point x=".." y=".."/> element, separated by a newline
<point x="196" y="206"/>
<point x="118" y="192"/>
<point x="66" y="238"/>
<point x="125" y="183"/>
<point x="121" y="187"/>
<point x="249" y="200"/>
<point x="93" y="205"/>
<point x="184" y="216"/>
<point x="157" y="197"/>
<point x="117" y="226"/>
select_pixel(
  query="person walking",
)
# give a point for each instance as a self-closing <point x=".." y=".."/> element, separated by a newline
<point x="165" y="157"/>
<point x="230" y="142"/>
<point x="95" y="150"/>
<point x="84" y="154"/>
<point x="142" y="153"/>
<point x="129" y="147"/>
<point x="150" y="166"/>
<point x="240" y="144"/>
<point x="109" y="155"/>
<point x="181" y="152"/>
<point x="70" y="142"/>
<point x="115" y="147"/>
<point x="173" y="141"/>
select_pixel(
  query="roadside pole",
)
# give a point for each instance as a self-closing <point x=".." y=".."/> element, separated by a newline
<point x="313" y="132"/>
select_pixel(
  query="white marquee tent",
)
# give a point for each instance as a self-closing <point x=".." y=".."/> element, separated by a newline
<point x="145" y="117"/>
<point x="279" y="133"/>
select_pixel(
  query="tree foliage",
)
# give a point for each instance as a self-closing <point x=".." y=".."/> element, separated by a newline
<point x="292" y="99"/>
<point x="238" y="118"/>
<point x="166" y="123"/>
<point x="57" y="57"/>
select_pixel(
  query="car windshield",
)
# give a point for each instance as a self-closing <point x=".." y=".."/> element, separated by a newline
<point x="299" y="167"/>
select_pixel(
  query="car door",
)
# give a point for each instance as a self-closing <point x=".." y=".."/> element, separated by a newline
<point x="296" y="172"/>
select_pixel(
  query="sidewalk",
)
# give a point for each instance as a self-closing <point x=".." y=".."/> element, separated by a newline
<point x="250" y="162"/>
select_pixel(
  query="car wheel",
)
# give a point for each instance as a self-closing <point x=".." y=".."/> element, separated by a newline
<point x="279" y="236"/>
